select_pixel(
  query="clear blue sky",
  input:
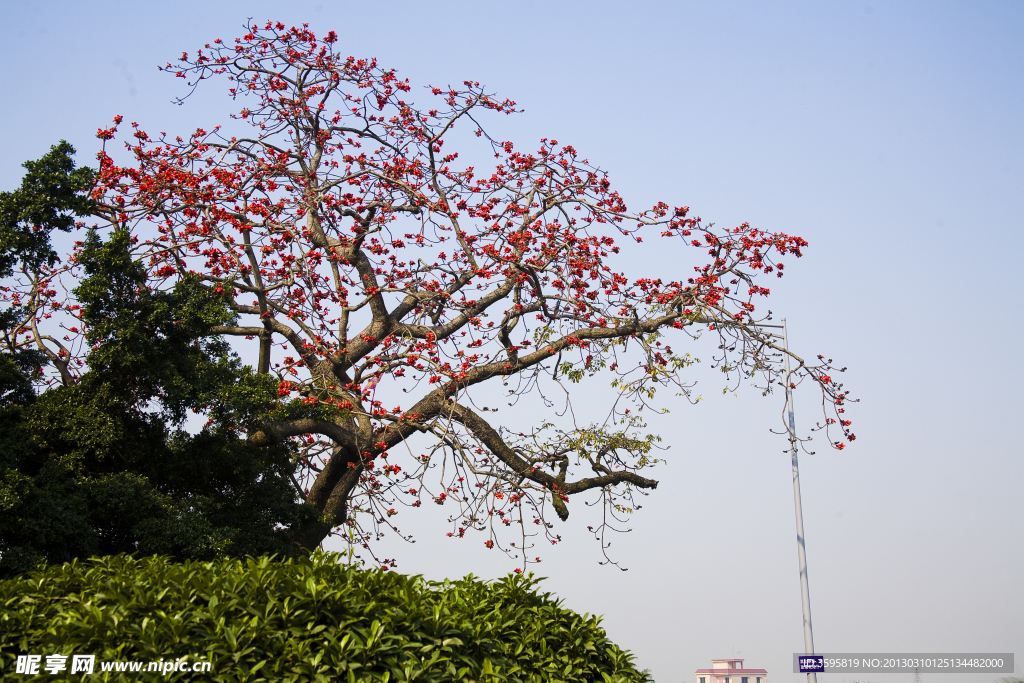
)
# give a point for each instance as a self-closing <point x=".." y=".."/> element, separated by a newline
<point x="887" y="134"/>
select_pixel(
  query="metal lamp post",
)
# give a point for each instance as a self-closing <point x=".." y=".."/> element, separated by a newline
<point x="805" y="595"/>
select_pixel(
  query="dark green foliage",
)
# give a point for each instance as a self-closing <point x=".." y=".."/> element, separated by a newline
<point x="16" y="371"/>
<point x="156" y="342"/>
<point x="102" y="465"/>
<point x="52" y="194"/>
<point x="80" y="475"/>
<point x="83" y="477"/>
<point x="98" y="468"/>
<point x="306" y="620"/>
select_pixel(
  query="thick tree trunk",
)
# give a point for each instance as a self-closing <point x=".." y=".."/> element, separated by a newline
<point x="329" y="496"/>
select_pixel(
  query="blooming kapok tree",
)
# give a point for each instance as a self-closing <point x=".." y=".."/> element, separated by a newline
<point x="366" y="262"/>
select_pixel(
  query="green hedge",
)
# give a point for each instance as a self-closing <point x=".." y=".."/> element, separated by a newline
<point x="300" y="620"/>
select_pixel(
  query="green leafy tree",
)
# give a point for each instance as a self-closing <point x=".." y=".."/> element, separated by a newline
<point x="100" y="463"/>
<point x="51" y="196"/>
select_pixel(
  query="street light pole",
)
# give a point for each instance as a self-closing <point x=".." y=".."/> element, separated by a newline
<point x="801" y="549"/>
<point x="805" y="593"/>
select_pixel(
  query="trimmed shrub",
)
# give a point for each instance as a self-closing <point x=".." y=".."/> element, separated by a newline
<point x="310" y="619"/>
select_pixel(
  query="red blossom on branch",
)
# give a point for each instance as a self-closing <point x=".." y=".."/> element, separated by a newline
<point x="367" y="259"/>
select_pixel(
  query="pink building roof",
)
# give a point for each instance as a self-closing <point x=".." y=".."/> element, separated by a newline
<point x="730" y="667"/>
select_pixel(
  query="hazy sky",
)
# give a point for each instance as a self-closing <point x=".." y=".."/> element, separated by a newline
<point x="889" y="135"/>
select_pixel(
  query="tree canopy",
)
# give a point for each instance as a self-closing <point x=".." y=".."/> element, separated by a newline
<point x="99" y="464"/>
<point x="385" y="283"/>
